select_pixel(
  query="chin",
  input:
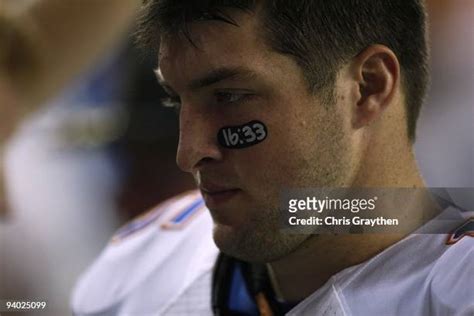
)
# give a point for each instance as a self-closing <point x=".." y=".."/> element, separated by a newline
<point x="255" y="243"/>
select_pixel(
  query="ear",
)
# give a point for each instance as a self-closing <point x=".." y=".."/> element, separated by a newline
<point x="377" y="73"/>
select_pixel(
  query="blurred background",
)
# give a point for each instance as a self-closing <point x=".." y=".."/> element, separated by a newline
<point x="103" y="151"/>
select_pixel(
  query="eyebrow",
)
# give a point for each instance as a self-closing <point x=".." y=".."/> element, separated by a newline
<point x="212" y="77"/>
<point x="220" y="74"/>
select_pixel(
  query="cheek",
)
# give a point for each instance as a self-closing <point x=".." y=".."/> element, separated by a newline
<point x="306" y="150"/>
<point x="273" y="160"/>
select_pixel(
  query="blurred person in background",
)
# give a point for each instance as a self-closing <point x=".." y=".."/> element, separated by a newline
<point x="44" y="44"/>
<point x="96" y="156"/>
<point x="60" y="178"/>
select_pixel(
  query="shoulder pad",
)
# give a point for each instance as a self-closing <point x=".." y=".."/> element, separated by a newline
<point x="177" y="212"/>
<point x="161" y="252"/>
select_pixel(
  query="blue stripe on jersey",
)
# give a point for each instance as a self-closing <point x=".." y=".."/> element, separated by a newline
<point x="188" y="212"/>
<point x="137" y="224"/>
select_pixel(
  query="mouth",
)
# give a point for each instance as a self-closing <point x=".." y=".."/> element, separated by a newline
<point x="218" y="196"/>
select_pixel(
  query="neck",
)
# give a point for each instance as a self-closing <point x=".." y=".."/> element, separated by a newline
<point x="389" y="166"/>
<point x="309" y="267"/>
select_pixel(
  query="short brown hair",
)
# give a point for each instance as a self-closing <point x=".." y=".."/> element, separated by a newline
<point x="320" y="35"/>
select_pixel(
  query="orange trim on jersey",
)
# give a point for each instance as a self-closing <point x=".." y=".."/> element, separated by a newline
<point x="139" y="223"/>
<point x="451" y="240"/>
<point x="263" y="305"/>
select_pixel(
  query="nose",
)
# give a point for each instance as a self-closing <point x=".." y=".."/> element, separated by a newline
<point x="197" y="140"/>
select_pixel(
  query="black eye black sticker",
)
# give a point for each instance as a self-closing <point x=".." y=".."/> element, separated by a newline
<point x="242" y="136"/>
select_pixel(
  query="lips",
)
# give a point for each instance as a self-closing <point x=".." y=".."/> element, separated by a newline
<point x="216" y="195"/>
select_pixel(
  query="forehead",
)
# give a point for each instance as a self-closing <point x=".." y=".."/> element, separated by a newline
<point x="212" y="45"/>
<point x="202" y="33"/>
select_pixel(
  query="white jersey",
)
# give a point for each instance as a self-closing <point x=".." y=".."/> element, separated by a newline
<point x="423" y="274"/>
<point x="162" y="264"/>
<point x="152" y="263"/>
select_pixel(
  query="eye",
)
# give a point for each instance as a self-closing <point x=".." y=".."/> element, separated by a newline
<point x="231" y="97"/>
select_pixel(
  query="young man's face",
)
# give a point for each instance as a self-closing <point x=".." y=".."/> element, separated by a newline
<point x="229" y="78"/>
